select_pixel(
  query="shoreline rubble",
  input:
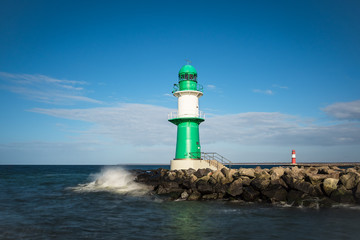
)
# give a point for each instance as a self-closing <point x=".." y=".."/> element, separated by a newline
<point x="297" y="186"/>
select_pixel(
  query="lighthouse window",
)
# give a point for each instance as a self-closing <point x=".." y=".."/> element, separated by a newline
<point x="186" y="76"/>
<point x="191" y="76"/>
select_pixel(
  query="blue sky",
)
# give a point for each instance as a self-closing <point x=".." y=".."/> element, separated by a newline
<point x="89" y="82"/>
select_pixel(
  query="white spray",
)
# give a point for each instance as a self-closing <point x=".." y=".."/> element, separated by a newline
<point x="113" y="179"/>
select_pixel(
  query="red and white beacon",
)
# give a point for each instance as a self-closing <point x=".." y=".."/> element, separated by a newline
<point x="293" y="157"/>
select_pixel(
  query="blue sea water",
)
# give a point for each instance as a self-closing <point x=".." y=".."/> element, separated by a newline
<point x="102" y="202"/>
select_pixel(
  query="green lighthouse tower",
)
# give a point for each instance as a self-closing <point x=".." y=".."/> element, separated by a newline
<point x="187" y="119"/>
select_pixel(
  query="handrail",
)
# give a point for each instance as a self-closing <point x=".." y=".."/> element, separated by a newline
<point x="175" y="114"/>
<point x="210" y="156"/>
<point x="199" y="88"/>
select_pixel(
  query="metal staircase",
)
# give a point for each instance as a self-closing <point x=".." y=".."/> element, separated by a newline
<point x="214" y="159"/>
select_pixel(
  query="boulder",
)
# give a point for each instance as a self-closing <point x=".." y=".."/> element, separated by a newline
<point x="329" y="185"/>
<point x="305" y="187"/>
<point x="250" y="194"/>
<point x="184" y="195"/>
<point x="323" y="170"/>
<point x="260" y="183"/>
<point x="342" y="195"/>
<point x="350" y="180"/>
<point x="245" y="181"/>
<point x="204" y="187"/>
<point x="171" y="175"/>
<point x="295" y="197"/>
<point x="276" y="173"/>
<point x="210" y="196"/>
<point x="220" y="188"/>
<point x="202" y="172"/>
<point x="235" y="188"/>
<point x="275" y="194"/>
<point x="280" y="182"/>
<point x="194" y="196"/>
<point x="228" y="175"/>
<point x="219" y="177"/>
<point x="357" y="191"/>
<point x="315" y="178"/>
<point x="249" y="172"/>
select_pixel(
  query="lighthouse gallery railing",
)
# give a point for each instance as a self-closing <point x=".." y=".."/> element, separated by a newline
<point x="175" y="114"/>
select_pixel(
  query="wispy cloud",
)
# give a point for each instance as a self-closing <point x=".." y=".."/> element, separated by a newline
<point x="211" y="87"/>
<point x="45" y="89"/>
<point x="279" y="86"/>
<point x="266" y="92"/>
<point x="344" y="110"/>
<point x="146" y="125"/>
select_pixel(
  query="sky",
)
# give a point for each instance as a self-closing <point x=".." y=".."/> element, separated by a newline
<point x="90" y="82"/>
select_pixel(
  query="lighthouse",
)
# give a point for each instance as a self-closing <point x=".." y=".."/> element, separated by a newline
<point x="187" y="119"/>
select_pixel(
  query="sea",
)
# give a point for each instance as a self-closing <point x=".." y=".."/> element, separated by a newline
<point x="103" y="202"/>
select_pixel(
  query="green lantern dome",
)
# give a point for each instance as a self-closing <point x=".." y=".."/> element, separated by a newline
<point x="187" y="72"/>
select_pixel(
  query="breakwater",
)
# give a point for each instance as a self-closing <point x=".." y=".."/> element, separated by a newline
<point x="298" y="186"/>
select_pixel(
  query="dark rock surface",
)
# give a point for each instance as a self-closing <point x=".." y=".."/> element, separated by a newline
<point x="305" y="186"/>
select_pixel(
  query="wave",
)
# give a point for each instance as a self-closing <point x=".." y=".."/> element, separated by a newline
<point x="114" y="180"/>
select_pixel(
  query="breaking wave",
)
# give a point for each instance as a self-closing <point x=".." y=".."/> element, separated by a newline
<point x="114" y="180"/>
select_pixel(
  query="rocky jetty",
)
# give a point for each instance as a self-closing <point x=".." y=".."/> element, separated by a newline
<point x="304" y="186"/>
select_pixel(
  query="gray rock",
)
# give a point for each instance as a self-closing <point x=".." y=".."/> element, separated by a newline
<point x="210" y="196"/>
<point x="250" y="194"/>
<point x="305" y="187"/>
<point x="249" y="172"/>
<point x="295" y="197"/>
<point x="316" y="178"/>
<point x="202" y="172"/>
<point x="235" y="188"/>
<point x="280" y="182"/>
<point x="204" y="187"/>
<point x="342" y="195"/>
<point x="276" y="194"/>
<point x="184" y="195"/>
<point x="350" y="180"/>
<point x="260" y="183"/>
<point x="329" y="185"/>
<point x="245" y="181"/>
<point x="276" y="173"/>
<point x="194" y="196"/>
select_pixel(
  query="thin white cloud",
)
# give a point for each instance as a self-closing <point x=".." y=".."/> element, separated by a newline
<point x="266" y="92"/>
<point x="45" y="89"/>
<point x="141" y="124"/>
<point x="279" y="86"/>
<point x="212" y="87"/>
<point x="344" y="110"/>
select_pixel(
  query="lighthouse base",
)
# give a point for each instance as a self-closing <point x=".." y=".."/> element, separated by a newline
<point x="178" y="164"/>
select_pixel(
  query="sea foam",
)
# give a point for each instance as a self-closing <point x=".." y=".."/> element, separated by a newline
<point x="115" y="180"/>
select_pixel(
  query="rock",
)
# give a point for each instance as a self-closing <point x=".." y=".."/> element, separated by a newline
<point x="280" y="182"/>
<point x="204" y="187"/>
<point x="194" y="196"/>
<point x="228" y="175"/>
<point x="250" y="194"/>
<point x="350" y="180"/>
<point x="171" y="175"/>
<point x="210" y="196"/>
<point x="315" y="178"/>
<point x="260" y="183"/>
<point x="202" y="172"/>
<point x="275" y="194"/>
<point x="357" y="191"/>
<point x="329" y="185"/>
<point x="342" y="195"/>
<point x="220" y="188"/>
<point x="323" y="170"/>
<point x="249" y="172"/>
<point x="245" y="181"/>
<point x="305" y="187"/>
<point x="219" y="177"/>
<point x="276" y="173"/>
<point x="184" y="195"/>
<point x="189" y="171"/>
<point x="335" y="168"/>
<point x="295" y="197"/>
<point x="235" y="188"/>
<point x="212" y="181"/>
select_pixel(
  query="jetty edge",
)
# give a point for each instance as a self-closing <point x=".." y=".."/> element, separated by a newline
<point x="323" y="186"/>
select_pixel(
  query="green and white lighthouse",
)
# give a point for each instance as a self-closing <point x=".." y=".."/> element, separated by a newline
<point x="187" y="119"/>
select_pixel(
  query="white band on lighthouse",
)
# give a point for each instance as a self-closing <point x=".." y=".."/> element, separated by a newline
<point x="188" y="103"/>
<point x="293" y="156"/>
